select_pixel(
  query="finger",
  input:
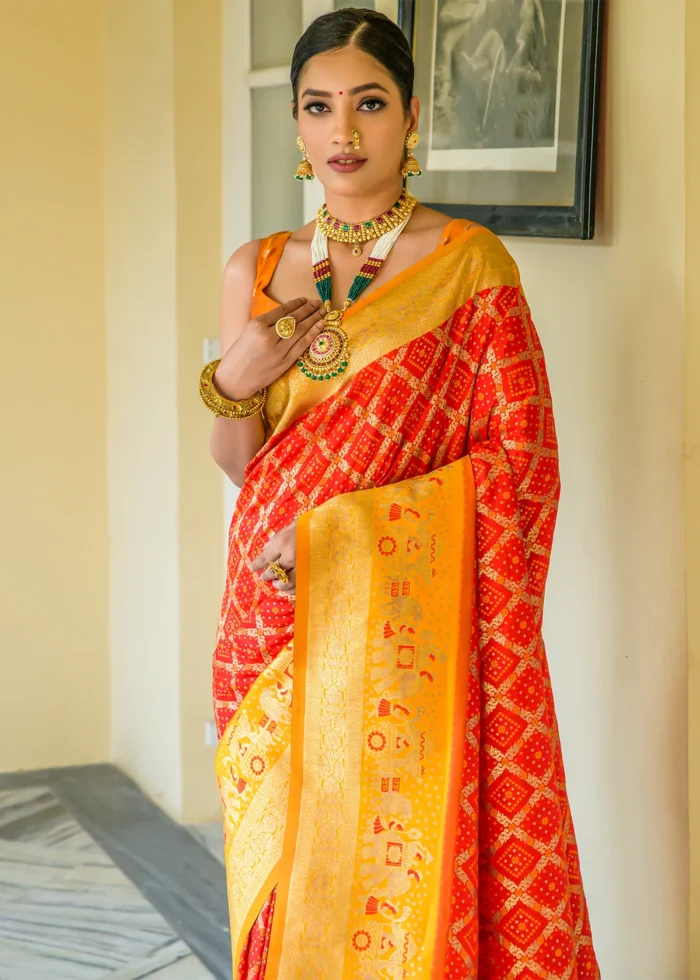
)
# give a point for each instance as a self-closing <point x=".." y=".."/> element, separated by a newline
<point x="287" y="564"/>
<point x="267" y="555"/>
<point x="285" y="309"/>
<point x="303" y="326"/>
<point x="304" y="340"/>
<point x="289" y="586"/>
<point x="304" y="316"/>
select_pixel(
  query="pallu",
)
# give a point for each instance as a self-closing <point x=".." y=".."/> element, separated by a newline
<point x="389" y="763"/>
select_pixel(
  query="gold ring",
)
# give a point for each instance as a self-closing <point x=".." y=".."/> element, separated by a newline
<point x="280" y="573"/>
<point x="285" y="327"/>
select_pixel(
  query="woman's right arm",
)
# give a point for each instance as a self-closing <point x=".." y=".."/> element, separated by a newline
<point x="234" y="442"/>
<point x="252" y="356"/>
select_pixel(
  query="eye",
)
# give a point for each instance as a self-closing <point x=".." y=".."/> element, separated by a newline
<point x="372" y="105"/>
<point x="315" y="108"/>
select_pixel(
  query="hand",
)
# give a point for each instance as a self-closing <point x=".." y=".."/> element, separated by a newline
<point x="259" y="356"/>
<point x="282" y="548"/>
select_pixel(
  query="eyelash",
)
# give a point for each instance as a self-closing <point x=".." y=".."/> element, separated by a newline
<point x="310" y="106"/>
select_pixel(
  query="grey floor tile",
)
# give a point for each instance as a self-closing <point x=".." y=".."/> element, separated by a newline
<point x="175" y="962"/>
<point x="34" y="813"/>
<point x="68" y="912"/>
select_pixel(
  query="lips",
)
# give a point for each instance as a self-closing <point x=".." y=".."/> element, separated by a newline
<point x="346" y="163"/>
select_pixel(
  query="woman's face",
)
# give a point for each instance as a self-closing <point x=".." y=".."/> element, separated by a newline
<point x="345" y="89"/>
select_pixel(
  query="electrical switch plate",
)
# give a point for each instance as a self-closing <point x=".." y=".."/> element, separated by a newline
<point x="211" y="349"/>
<point x="210" y="736"/>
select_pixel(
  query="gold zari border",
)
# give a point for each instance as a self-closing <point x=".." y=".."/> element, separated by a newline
<point x="378" y="728"/>
<point x="252" y="769"/>
<point x="409" y="305"/>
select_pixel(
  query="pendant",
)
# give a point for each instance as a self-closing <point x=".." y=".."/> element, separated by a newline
<point x="357" y="250"/>
<point x="327" y="356"/>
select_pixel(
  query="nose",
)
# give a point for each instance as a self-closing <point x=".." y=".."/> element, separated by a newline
<point x="342" y="131"/>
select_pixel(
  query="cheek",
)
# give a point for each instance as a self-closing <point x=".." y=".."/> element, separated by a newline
<point x="388" y="148"/>
<point x="387" y="134"/>
<point x="316" y="130"/>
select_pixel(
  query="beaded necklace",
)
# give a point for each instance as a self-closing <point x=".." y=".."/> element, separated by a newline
<point x="328" y="354"/>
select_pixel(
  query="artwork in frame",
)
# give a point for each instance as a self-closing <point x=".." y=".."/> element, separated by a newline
<point x="509" y="122"/>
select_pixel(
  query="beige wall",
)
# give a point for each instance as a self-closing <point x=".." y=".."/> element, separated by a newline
<point x="163" y="139"/>
<point x="54" y="674"/>
<point x="692" y="457"/>
<point x="198" y="153"/>
<point x="141" y="307"/>
<point x="111" y="258"/>
<point x="611" y="317"/>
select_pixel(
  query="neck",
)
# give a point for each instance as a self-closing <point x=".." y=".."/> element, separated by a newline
<point x="353" y="209"/>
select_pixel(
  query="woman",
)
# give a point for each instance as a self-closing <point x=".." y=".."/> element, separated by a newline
<point x="405" y="815"/>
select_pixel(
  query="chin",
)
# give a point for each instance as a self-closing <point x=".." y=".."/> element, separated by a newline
<point x="355" y="184"/>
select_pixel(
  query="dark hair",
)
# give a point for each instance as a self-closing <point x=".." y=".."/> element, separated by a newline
<point x="371" y="32"/>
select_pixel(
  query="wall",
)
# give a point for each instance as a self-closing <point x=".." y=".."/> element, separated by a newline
<point x="611" y="315"/>
<point x="54" y="704"/>
<point x="692" y="458"/>
<point x="142" y="358"/>
<point x="198" y="154"/>
<point x="163" y="193"/>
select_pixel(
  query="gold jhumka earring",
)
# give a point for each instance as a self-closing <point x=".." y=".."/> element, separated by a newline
<point x="356" y="140"/>
<point x="411" y="167"/>
<point x="304" y="171"/>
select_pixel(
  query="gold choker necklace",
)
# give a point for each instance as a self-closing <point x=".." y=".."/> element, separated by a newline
<point x="354" y="233"/>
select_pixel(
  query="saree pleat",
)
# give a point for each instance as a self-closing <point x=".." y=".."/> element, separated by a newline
<point x="501" y="896"/>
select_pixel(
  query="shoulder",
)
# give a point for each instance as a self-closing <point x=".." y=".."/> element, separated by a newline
<point x="488" y="253"/>
<point x="241" y="266"/>
<point x="303" y="234"/>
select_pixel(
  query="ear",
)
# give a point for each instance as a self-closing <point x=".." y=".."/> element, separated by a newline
<point x="414" y="112"/>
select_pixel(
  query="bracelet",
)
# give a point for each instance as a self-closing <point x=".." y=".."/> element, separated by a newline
<point x="225" y="407"/>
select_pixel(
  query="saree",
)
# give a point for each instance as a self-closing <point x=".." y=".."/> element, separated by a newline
<point x="389" y="762"/>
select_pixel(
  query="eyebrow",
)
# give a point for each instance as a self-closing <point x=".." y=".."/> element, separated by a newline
<point x="351" y="91"/>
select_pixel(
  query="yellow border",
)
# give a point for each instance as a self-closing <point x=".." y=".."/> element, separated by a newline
<point x="459" y="717"/>
<point x="692" y="463"/>
<point x="284" y="867"/>
<point x="253" y="912"/>
<point x="413" y="303"/>
<point x="301" y="849"/>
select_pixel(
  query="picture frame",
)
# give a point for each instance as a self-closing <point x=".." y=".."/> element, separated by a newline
<point x="510" y="90"/>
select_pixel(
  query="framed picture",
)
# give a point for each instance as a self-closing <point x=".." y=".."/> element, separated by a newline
<point x="509" y="122"/>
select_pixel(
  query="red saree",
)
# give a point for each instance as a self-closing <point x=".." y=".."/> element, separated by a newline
<point x="438" y="448"/>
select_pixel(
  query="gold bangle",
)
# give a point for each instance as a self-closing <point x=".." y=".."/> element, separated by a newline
<point x="225" y="407"/>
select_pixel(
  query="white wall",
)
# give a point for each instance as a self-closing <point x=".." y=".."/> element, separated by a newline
<point x="610" y="315"/>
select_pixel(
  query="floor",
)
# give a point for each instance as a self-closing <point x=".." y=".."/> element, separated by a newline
<point x="89" y="888"/>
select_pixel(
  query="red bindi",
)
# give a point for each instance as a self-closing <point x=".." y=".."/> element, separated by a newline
<point x="340" y="93"/>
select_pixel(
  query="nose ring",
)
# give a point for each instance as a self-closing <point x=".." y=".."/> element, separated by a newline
<point x="356" y="138"/>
